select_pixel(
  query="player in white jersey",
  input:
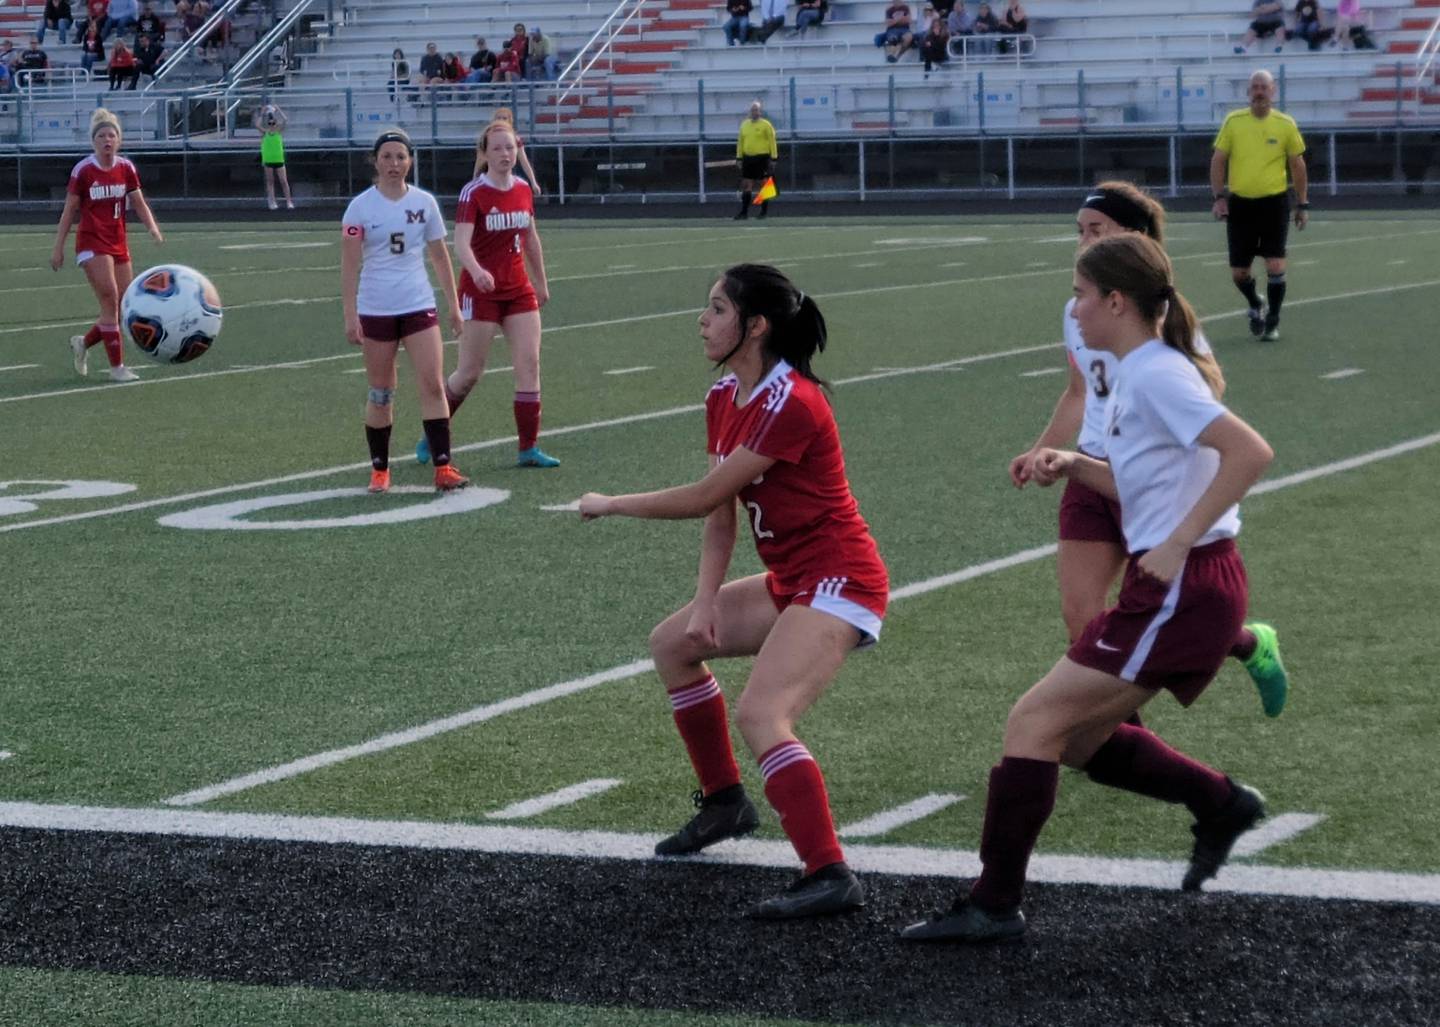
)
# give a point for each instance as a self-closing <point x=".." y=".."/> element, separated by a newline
<point x="389" y="303"/>
<point x="1092" y="547"/>
<point x="1179" y="462"/>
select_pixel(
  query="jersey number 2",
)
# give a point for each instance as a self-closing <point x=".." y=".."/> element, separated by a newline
<point x="755" y="513"/>
<point x="397" y="242"/>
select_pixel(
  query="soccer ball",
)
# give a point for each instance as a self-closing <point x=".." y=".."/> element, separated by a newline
<point x="172" y="313"/>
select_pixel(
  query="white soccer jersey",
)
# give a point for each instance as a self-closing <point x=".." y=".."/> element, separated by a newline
<point x="1157" y="408"/>
<point x="393" y="278"/>
<point x="1099" y="367"/>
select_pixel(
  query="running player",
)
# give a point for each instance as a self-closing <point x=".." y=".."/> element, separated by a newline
<point x="774" y="448"/>
<point x="99" y="187"/>
<point x="1179" y="463"/>
<point x="1092" y="546"/>
<point x="502" y="287"/>
<point x="389" y="302"/>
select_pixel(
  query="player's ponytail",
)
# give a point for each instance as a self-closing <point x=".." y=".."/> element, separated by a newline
<point x="1135" y="266"/>
<point x="102" y="118"/>
<point x="797" y="328"/>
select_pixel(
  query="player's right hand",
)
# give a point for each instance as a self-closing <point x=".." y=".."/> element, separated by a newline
<point x="1050" y="465"/>
<point x="484" y="281"/>
<point x="353" y="334"/>
<point x="56" y="259"/>
<point x="1221" y="209"/>
<point x="701" y="628"/>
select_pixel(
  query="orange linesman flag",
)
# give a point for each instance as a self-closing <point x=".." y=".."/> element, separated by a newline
<point x="767" y="192"/>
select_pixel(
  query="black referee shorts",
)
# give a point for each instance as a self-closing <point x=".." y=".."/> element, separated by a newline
<point x="1257" y="228"/>
<point x="755" y="167"/>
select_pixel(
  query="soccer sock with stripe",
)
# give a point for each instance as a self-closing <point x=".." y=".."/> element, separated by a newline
<point x="378" y="440"/>
<point x="1021" y="797"/>
<point x="699" y="710"/>
<point x="527" y="418"/>
<point x="796" y="788"/>
<point x="93" y="336"/>
<point x="114" y="351"/>
<point x="437" y="435"/>
<point x="1246" y="286"/>
<point x="1275" y="294"/>
<point x="1139" y="761"/>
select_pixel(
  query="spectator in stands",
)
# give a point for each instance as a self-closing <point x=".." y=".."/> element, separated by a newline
<point x="57" y="16"/>
<point x="1013" y="22"/>
<point x="432" y="67"/>
<point x="219" y="35"/>
<point x="1308" y="25"/>
<point x="7" y="79"/>
<point x="935" y="47"/>
<point x="507" y="65"/>
<point x="1347" y="21"/>
<point x="190" y="17"/>
<point x="97" y="14"/>
<point x="482" y="63"/>
<point x="454" y="71"/>
<point x="151" y="24"/>
<point x="122" y="16"/>
<point x="543" y="64"/>
<point x="920" y="27"/>
<point x="944" y="7"/>
<point x="123" y="72"/>
<point x="960" y="21"/>
<point x="897" y="37"/>
<point x="8" y="55"/>
<point x="520" y="43"/>
<point x="149" y="55"/>
<point x="92" y="47"/>
<point x="1267" y="18"/>
<point x="33" y="60"/>
<point x="400" y="70"/>
<point x="809" y="15"/>
<point x="986" y="24"/>
<point x="737" y="27"/>
<point x="772" y="19"/>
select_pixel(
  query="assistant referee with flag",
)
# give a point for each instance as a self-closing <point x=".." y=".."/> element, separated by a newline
<point x="1254" y="147"/>
<point x="755" y="153"/>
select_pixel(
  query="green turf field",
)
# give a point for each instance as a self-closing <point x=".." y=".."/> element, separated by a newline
<point x="143" y="661"/>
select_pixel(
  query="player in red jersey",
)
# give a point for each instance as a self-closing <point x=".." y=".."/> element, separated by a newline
<point x="503" y="286"/>
<point x="99" y="187"/>
<point x="775" y="450"/>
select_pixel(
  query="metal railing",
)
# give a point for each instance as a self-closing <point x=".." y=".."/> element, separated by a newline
<point x="598" y="46"/>
<point x="991" y="46"/>
<point x="1425" y="61"/>
<point x="197" y="39"/>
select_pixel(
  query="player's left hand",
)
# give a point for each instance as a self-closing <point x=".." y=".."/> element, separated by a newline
<point x="1164" y="561"/>
<point x="542" y="294"/>
<point x="157" y="235"/>
<point x="1302" y="218"/>
<point x="457" y="323"/>
<point x="593" y="506"/>
<point x="1048" y="466"/>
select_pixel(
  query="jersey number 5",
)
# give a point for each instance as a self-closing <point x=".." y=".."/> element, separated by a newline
<point x="397" y="242"/>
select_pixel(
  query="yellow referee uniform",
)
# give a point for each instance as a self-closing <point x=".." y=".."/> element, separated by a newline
<point x="757" y="139"/>
<point x="1258" y="151"/>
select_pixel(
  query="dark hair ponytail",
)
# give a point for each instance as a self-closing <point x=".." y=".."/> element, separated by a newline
<point x="797" y="328"/>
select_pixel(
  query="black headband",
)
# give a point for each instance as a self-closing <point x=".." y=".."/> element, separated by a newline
<point x="1119" y="208"/>
<point x="393" y="137"/>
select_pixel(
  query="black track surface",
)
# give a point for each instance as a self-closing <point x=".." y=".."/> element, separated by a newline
<point x="668" y="934"/>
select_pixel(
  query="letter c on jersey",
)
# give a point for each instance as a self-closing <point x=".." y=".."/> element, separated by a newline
<point x="230" y="516"/>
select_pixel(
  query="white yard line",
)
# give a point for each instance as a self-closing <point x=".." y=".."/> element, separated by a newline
<point x="5" y="754"/>
<point x="629" y="670"/>
<point x="1042" y="371"/>
<point x="18" y="367"/>
<point x="900" y="860"/>
<point x="275" y="246"/>
<point x="1344" y="372"/>
<point x="630" y="370"/>
<point x="554" y="800"/>
<point x="1275" y="831"/>
<point x="888" y="820"/>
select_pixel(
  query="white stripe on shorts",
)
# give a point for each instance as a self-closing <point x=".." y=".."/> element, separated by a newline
<point x="1132" y="667"/>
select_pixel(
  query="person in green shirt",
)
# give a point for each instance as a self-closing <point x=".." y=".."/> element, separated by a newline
<point x="755" y="154"/>
<point x="270" y="120"/>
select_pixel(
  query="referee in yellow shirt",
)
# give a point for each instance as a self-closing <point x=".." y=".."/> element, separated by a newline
<point x="755" y="153"/>
<point x="1247" y="176"/>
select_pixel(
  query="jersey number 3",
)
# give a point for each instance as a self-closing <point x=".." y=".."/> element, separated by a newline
<point x="1097" y="371"/>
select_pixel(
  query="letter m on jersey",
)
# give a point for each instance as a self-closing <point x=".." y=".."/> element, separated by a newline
<point x="413" y="216"/>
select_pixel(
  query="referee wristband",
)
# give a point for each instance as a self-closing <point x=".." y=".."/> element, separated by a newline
<point x="1302" y="206"/>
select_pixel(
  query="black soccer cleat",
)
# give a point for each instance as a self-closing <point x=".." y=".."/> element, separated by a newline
<point x="1216" y="836"/>
<point x="1257" y="322"/>
<point x="1272" y="330"/>
<point x="829" y="890"/>
<point x="728" y="813"/>
<point x="967" y="924"/>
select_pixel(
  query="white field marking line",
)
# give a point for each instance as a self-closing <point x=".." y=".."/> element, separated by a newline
<point x="1274" y="831"/>
<point x="275" y="246"/>
<point x="954" y="263"/>
<point x="1305" y="263"/>
<point x="554" y="800"/>
<point x="630" y="370"/>
<point x="395" y="739"/>
<point x="1038" y="263"/>
<point x="5" y="755"/>
<point x="527" y="699"/>
<point x="221" y="273"/>
<point x="284" y="302"/>
<point x="488" y="370"/>
<point x="623" y="267"/>
<point x="1042" y="371"/>
<point x="18" y="367"/>
<point x="571" y="507"/>
<point x="890" y="819"/>
<point x="1392" y="263"/>
<point x="869" y="263"/>
<point x="1344" y="372"/>
<point x="897" y="860"/>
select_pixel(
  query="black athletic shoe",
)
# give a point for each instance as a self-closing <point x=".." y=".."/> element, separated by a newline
<point x="1272" y="330"/>
<point x="728" y="813"/>
<point x="1215" y="837"/>
<point x="739" y="217"/>
<point x="829" y="890"/>
<point x="1257" y="322"/>
<point x="968" y="924"/>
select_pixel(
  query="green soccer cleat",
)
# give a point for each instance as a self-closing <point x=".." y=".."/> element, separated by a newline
<point x="1266" y="669"/>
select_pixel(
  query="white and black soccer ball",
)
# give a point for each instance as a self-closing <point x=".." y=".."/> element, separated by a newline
<point x="172" y="313"/>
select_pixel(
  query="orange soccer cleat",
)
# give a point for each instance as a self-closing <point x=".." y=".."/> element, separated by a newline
<point x="380" y="480"/>
<point x="447" y="479"/>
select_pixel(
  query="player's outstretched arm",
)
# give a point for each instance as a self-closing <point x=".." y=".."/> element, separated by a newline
<point x="67" y="218"/>
<point x="683" y="502"/>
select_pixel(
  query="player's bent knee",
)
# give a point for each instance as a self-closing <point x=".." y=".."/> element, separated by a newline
<point x="381" y="397"/>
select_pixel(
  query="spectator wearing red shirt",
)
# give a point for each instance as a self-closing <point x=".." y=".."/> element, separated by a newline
<point x="123" y="72"/>
<point x="507" y="65"/>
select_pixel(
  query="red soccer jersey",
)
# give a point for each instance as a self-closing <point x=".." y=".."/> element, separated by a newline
<point x="806" y="523"/>
<point x="501" y="218"/>
<point x="102" y="195"/>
